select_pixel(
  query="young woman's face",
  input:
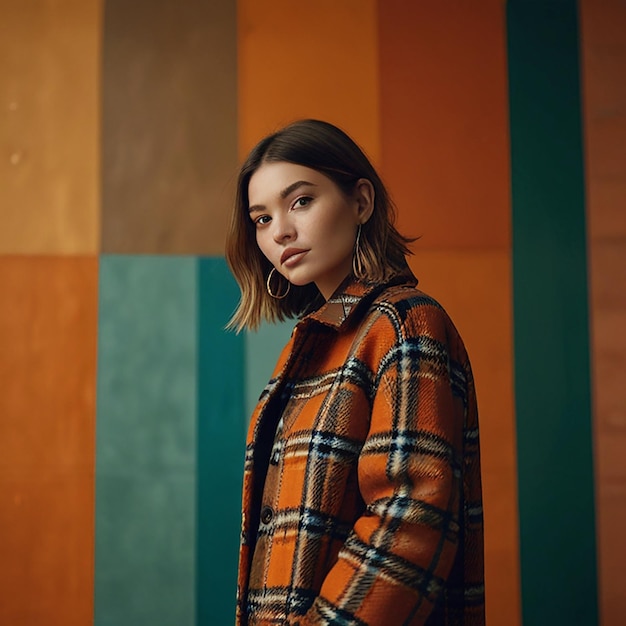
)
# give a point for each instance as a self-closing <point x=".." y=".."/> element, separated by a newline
<point x="305" y="225"/>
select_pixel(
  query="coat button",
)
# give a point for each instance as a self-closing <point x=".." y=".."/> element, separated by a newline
<point x="267" y="514"/>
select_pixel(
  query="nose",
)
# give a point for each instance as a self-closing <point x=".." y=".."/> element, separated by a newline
<point x="283" y="229"/>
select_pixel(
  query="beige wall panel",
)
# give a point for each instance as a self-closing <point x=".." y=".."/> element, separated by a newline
<point x="169" y="125"/>
<point x="475" y="288"/>
<point x="603" y="28"/>
<point x="49" y="126"/>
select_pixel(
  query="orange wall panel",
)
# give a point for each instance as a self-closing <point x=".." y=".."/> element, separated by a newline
<point x="47" y="430"/>
<point x="308" y="59"/>
<point x="444" y="120"/>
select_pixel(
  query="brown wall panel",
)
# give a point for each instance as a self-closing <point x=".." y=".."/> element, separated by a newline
<point x="444" y="113"/>
<point x="47" y="428"/>
<point x="49" y="107"/>
<point x="169" y="125"/>
<point x="316" y="58"/>
<point x="603" y="52"/>
<point x="473" y="286"/>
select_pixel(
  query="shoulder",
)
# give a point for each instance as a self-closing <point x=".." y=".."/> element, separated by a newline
<point x="403" y="313"/>
<point x="407" y="305"/>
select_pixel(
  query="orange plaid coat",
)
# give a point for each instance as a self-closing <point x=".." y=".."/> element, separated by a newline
<point x="362" y="494"/>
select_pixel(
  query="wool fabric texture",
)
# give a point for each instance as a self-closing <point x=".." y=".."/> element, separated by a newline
<point x="362" y="500"/>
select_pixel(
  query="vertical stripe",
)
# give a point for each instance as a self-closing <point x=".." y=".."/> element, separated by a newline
<point x="603" y="57"/>
<point x="220" y="444"/>
<point x="169" y="116"/>
<point x="47" y="420"/>
<point x="555" y="468"/>
<point x="445" y="156"/>
<point x="146" y="442"/>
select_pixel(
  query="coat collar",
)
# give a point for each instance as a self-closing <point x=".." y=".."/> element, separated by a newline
<point x="351" y="294"/>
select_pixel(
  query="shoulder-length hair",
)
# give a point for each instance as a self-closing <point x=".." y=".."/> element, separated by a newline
<point x="327" y="149"/>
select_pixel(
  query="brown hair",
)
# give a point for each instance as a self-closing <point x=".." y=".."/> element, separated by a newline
<point x="327" y="149"/>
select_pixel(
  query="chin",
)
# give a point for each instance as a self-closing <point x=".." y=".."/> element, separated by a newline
<point x="300" y="282"/>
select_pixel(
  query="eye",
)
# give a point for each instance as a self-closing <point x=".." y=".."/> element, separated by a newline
<point x="262" y="220"/>
<point x="302" y="202"/>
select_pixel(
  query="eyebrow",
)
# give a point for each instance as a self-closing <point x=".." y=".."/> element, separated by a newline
<point x="284" y="193"/>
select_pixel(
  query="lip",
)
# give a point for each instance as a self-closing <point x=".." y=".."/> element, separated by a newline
<point x="291" y="253"/>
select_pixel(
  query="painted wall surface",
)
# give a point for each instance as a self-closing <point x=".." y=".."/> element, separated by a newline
<point x="125" y="403"/>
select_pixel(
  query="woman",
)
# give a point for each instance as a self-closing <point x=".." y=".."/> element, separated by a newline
<point x="362" y="495"/>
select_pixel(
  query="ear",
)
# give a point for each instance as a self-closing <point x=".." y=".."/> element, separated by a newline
<point x="364" y="194"/>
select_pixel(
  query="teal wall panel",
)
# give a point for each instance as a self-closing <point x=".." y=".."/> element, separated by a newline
<point x="552" y="378"/>
<point x="221" y="444"/>
<point x="263" y="348"/>
<point x="146" y="442"/>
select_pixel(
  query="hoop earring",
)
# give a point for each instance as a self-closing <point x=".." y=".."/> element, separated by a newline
<point x="278" y="296"/>
<point x="357" y="257"/>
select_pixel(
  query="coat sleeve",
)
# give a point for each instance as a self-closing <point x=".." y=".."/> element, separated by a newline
<point x="394" y="564"/>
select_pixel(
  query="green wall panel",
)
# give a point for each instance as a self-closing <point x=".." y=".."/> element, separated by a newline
<point x="552" y="380"/>
<point x="146" y="442"/>
<point x="221" y="444"/>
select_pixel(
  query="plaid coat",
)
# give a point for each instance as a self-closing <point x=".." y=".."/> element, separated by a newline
<point x="362" y="494"/>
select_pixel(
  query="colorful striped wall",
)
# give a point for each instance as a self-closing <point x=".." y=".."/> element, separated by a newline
<point x="500" y="129"/>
